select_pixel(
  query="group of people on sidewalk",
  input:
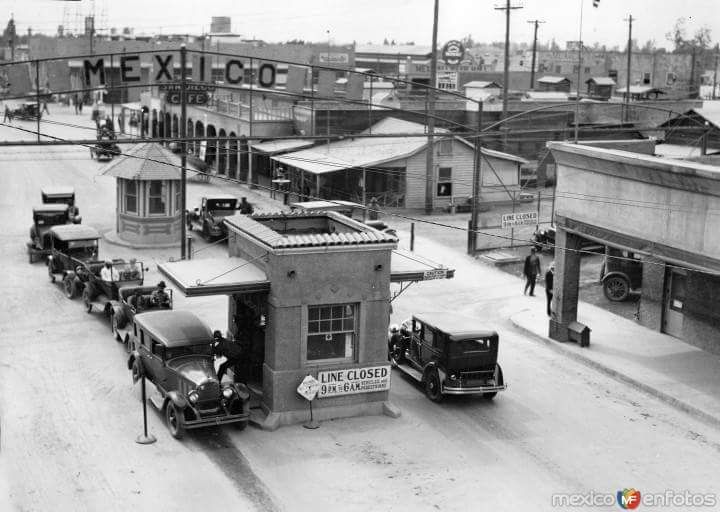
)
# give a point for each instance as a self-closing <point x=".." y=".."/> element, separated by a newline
<point x="531" y="270"/>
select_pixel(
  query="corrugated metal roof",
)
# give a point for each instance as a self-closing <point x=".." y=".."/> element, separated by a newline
<point x="363" y="152"/>
<point x="146" y="161"/>
<point x="367" y="152"/>
<point x="482" y="84"/>
<point x="273" y="147"/>
<point x="601" y="80"/>
<point x="253" y="226"/>
<point x="553" y="79"/>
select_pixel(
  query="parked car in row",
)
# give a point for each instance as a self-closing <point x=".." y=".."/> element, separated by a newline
<point x="133" y="300"/>
<point x="45" y="216"/>
<point x="71" y="246"/>
<point x="62" y="195"/>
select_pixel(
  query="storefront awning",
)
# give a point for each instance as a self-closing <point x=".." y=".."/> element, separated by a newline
<point x="406" y="266"/>
<point x="215" y="276"/>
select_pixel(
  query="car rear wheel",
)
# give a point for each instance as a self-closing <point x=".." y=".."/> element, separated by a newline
<point x="174" y="421"/>
<point x="499" y="381"/>
<point x="616" y="288"/>
<point x="69" y="287"/>
<point x="433" y="387"/>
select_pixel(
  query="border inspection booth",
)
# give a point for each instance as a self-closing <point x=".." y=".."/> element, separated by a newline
<point x="148" y="195"/>
<point x="309" y="294"/>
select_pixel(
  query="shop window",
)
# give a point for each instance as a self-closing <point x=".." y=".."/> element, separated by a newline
<point x="587" y="70"/>
<point x="331" y="332"/>
<point x="646" y="79"/>
<point x="613" y="73"/>
<point x="131" y="199"/>
<point x="445" y="147"/>
<point x="558" y="69"/>
<point x="157" y="198"/>
<point x="444" y="185"/>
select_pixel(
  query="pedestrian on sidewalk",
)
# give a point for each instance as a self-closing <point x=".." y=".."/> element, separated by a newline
<point x="45" y="108"/>
<point x="549" y="283"/>
<point x="531" y="270"/>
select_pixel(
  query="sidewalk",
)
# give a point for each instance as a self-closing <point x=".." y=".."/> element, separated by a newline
<point x="665" y="367"/>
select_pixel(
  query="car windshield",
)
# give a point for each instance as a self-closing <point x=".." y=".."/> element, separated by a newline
<point x="222" y="206"/>
<point x="203" y="349"/>
<point x="471" y="345"/>
<point x="82" y="249"/>
<point x="50" y="219"/>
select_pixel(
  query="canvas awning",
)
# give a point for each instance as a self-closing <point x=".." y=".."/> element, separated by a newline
<point x="215" y="276"/>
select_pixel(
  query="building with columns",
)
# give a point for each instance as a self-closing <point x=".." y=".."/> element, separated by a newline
<point x="661" y="210"/>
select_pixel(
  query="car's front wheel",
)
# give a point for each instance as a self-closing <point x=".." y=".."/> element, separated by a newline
<point x="433" y="387"/>
<point x="174" y="421"/>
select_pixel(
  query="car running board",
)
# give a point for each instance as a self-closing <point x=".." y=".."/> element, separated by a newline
<point x="409" y="370"/>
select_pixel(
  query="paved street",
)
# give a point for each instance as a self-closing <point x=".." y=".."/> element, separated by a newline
<point x="69" y="414"/>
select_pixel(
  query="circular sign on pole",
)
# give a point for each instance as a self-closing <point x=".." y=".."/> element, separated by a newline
<point x="453" y="52"/>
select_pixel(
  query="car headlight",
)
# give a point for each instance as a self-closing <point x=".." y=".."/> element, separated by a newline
<point x="193" y="396"/>
<point x="228" y="393"/>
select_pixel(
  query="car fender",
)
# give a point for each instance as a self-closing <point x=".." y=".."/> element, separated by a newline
<point x="241" y="391"/>
<point x="177" y="399"/>
<point x="433" y="365"/>
<point x="131" y="358"/>
<point x="117" y="310"/>
<point x="616" y="273"/>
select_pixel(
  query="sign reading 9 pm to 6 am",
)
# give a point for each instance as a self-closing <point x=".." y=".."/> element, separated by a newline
<point x="350" y="381"/>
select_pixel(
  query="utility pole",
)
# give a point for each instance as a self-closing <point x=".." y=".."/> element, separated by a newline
<point x="579" y="77"/>
<point x="692" y="70"/>
<point x="506" y="71"/>
<point x="532" y="68"/>
<point x="627" y="79"/>
<point x="183" y="150"/>
<point x="717" y="49"/>
<point x="430" y="153"/>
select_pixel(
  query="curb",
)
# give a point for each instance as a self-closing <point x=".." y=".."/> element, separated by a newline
<point x="680" y="405"/>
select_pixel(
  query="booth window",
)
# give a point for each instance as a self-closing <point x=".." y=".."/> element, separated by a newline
<point x="444" y="185"/>
<point x="131" y="193"/>
<point x="156" y="198"/>
<point x="331" y="332"/>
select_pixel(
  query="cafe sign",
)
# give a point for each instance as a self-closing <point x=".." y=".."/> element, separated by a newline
<point x="349" y="381"/>
<point x="453" y="52"/>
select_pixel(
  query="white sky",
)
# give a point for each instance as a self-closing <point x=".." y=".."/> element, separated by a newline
<point x="373" y="20"/>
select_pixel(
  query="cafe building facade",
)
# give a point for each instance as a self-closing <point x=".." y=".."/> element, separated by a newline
<point x="309" y="293"/>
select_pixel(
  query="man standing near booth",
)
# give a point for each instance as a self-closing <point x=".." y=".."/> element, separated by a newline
<point x="531" y="270"/>
<point x="230" y="351"/>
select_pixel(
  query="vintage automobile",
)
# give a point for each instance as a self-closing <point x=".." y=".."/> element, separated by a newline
<point x="622" y="272"/>
<point x="450" y="355"/>
<point x="27" y="111"/>
<point x="72" y="246"/>
<point x="133" y="300"/>
<point x="45" y="216"/>
<point x="209" y="217"/>
<point x="347" y="208"/>
<point x="105" y="148"/>
<point x="62" y="195"/>
<point x="173" y="351"/>
<point x="103" y="295"/>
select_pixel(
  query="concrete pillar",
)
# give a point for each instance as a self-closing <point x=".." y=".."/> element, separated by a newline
<point x="650" y="310"/>
<point x="567" y="278"/>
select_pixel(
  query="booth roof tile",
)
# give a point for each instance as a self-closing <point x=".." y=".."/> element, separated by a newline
<point x="253" y="226"/>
